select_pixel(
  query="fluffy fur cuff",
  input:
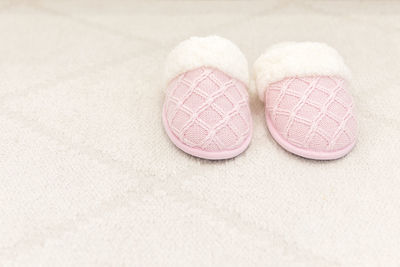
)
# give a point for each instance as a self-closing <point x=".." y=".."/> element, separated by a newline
<point x="211" y="51"/>
<point x="297" y="59"/>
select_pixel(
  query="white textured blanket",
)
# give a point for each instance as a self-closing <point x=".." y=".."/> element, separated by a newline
<point x="89" y="178"/>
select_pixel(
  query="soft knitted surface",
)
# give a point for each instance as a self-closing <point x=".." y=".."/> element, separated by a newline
<point x="208" y="110"/>
<point x="88" y="176"/>
<point x="315" y="113"/>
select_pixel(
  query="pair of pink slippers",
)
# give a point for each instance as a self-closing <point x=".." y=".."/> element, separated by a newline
<point x="304" y="86"/>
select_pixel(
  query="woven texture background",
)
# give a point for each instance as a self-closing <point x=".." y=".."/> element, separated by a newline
<point x="88" y="176"/>
<point x="315" y="113"/>
<point x="208" y="110"/>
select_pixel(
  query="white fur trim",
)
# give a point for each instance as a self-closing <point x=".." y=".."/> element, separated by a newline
<point x="292" y="59"/>
<point x="211" y="51"/>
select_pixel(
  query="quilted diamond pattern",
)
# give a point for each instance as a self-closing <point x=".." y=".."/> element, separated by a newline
<point x="315" y="113"/>
<point x="208" y="110"/>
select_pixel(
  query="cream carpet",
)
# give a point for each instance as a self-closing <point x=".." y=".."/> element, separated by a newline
<point x="89" y="178"/>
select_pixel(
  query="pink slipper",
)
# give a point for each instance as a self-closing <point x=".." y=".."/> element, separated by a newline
<point x="308" y="107"/>
<point x="206" y="110"/>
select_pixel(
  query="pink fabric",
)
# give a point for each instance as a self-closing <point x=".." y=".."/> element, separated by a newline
<point x="312" y="116"/>
<point x="207" y="114"/>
